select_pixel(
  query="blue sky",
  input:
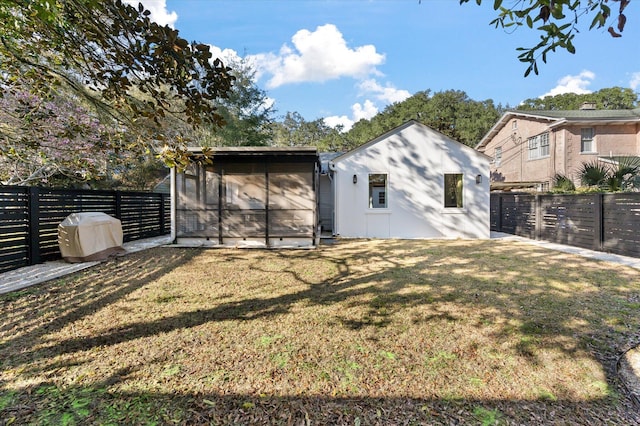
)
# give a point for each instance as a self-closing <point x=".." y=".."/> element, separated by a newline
<point x="346" y="60"/>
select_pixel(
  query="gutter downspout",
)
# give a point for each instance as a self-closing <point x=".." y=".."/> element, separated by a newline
<point x="172" y="178"/>
<point x="334" y="187"/>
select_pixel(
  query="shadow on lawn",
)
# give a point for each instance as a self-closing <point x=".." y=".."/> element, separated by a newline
<point x="49" y="404"/>
<point x="46" y="308"/>
<point x="383" y="281"/>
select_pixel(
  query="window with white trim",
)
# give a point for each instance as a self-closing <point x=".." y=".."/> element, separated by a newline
<point x="453" y="190"/>
<point x="497" y="156"/>
<point x="538" y="146"/>
<point x="544" y="145"/>
<point x="586" y="139"/>
<point x="378" y="191"/>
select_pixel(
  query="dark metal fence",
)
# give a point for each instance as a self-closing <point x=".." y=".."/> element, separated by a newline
<point x="29" y="219"/>
<point x="603" y="222"/>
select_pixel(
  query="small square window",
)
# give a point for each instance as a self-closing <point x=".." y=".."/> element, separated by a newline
<point x="453" y="190"/>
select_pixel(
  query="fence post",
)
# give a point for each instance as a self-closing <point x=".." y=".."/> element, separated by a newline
<point x="499" y="224"/>
<point x="118" y="198"/>
<point x="598" y="222"/>
<point x="538" y="219"/>
<point x="34" y="225"/>
<point x="162" y="221"/>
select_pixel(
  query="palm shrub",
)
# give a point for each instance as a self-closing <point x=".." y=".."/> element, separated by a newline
<point x="562" y="183"/>
<point x="594" y="173"/>
<point x="624" y="176"/>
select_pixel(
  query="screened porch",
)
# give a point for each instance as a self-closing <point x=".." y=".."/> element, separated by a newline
<point x="259" y="197"/>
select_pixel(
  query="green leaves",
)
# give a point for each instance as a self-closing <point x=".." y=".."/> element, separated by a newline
<point x="117" y="53"/>
<point x="560" y="19"/>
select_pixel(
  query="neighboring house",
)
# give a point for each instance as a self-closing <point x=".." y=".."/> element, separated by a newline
<point x="247" y="197"/>
<point x="529" y="148"/>
<point x="411" y="182"/>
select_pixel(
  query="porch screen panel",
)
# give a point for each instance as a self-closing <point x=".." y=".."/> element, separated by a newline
<point x="197" y="209"/>
<point x="187" y="201"/>
<point x="244" y="200"/>
<point x="291" y="200"/>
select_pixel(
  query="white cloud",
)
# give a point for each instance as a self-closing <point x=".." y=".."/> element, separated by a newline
<point x="158" y="9"/>
<point x="573" y="84"/>
<point x="342" y="120"/>
<point x="358" y="112"/>
<point x="226" y="55"/>
<point x="318" y="56"/>
<point x="366" y="111"/>
<point x="635" y="81"/>
<point x="387" y="94"/>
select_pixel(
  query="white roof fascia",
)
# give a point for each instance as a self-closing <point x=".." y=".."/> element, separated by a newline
<point x="503" y="121"/>
<point x="593" y="122"/>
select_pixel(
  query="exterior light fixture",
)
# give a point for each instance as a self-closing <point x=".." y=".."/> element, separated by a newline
<point x="478" y="179"/>
<point x="355" y="179"/>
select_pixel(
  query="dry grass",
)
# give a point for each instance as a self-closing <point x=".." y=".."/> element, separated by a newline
<point x="361" y="332"/>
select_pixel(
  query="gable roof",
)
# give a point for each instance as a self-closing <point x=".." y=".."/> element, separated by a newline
<point x="558" y="118"/>
<point x="400" y="128"/>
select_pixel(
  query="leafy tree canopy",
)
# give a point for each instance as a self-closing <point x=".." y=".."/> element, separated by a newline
<point x="114" y="57"/>
<point x="294" y="130"/>
<point x="609" y="98"/>
<point x="247" y="112"/>
<point x="558" y="23"/>
<point x="59" y="141"/>
<point x="450" y="112"/>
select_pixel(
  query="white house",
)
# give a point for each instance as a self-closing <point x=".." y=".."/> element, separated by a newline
<point x="411" y="182"/>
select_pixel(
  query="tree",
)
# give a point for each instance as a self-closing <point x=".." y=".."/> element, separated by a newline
<point x="105" y="52"/>
<point x="246" y="111"/>
<point x="294" y="130"/>
<point x="609" y="98"/>
<point x="450" y="112"/>
<point x="558" y="22"/>
<point x="45" y="140"/>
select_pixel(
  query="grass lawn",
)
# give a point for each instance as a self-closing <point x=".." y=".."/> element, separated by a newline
<point x="360" y="332"/>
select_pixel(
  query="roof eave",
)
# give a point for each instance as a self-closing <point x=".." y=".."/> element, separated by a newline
<point x="504" y="120"/>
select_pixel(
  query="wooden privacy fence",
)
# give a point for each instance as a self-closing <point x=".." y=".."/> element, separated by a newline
<point x="603" y="222"/>
<point x="29" y="219"/>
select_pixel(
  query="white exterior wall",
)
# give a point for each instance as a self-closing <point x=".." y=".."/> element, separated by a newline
<point x="415" y="159"/>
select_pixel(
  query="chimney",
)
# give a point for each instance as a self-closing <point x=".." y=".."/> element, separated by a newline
<point x="588" y="106"/>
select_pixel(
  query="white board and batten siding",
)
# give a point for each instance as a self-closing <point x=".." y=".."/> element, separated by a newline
<point x="408" y="166"/>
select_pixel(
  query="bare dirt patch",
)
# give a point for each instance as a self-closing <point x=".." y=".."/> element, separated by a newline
<point x="361" y="332"/>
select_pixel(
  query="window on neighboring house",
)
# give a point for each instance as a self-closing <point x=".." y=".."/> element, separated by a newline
<point x="533" y="148"/>
<point x="378" y="191"/>
<point x="453" y="190"/>
<point x="544" y="145"/>
<point x="586" y="140"/>
<point x="539" y="146"/>
<point x="514" y="124"/>
<point x="497" y="156"/>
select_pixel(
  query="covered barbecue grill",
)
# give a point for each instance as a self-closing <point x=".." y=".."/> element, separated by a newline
<point x="89" y="236"/>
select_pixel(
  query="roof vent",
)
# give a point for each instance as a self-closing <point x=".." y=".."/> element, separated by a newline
<point x="588" y="106"/>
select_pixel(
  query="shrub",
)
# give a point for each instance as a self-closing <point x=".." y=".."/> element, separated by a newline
<point x="562" y="183"/>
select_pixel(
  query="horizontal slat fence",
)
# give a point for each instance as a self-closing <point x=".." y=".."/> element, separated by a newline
<point x="603" y="222"/>
<point x="29" y="219"/>
<point x="621" y="228"/>
<point x="14" y="228"/>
